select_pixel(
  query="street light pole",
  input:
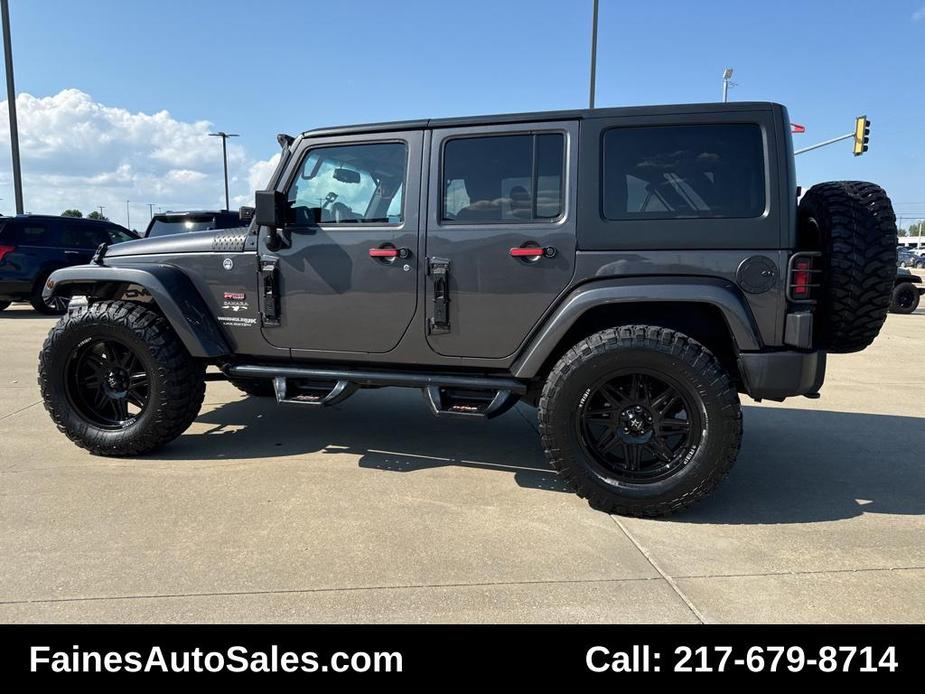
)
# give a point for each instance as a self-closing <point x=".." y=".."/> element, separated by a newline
<point x="150" y="210"/>
<point x="224" y="137"/>
<point x="593" y="56"/>
<point x="128" y="217"/>
<point x="11" y="101"/>
<point x="727" y="76"/>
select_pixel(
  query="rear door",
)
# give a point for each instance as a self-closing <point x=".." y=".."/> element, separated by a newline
<point x="501" y="222"/>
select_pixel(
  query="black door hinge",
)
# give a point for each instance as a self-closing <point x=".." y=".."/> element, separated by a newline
<point x="439" y="270"/>
<point x="269" y="289"/>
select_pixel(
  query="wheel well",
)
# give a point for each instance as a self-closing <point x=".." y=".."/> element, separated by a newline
<point x="703" y="322"/>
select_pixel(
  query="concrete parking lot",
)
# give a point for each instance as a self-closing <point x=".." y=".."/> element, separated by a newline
<point x="378" y="512"/>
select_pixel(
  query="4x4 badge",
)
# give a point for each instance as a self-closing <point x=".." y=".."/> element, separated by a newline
<point x="228" y="264"/>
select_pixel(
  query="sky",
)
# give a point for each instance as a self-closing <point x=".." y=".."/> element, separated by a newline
<point x="116" y="98"/>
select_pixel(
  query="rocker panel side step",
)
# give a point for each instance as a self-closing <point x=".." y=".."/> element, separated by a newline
<point x="446" y="403"/>
<point x="317" y="397"/>
<point x="449" y="395"/>
<point x="378" y="378"/>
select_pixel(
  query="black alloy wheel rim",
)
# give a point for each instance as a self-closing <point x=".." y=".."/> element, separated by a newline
<point x="639" y="427"/>
<point x="905" y="298"/>
<point x="107" y="383"/>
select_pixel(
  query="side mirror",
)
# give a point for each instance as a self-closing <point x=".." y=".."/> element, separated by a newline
<point x="270" y="208"/>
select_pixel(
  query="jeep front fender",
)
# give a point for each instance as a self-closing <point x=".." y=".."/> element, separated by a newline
<point x="719" y="293"/>
<point x="172" y="291"/>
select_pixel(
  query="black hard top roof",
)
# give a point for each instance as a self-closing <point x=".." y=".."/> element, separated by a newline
<point x="575" y="114"/>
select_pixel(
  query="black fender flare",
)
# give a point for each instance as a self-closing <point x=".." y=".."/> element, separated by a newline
<point x="172" y="291"/>
<point x="719" y="293"/>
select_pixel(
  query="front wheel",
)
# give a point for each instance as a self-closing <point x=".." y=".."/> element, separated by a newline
<point x="117" y="381"/>
<point x="641" y="420"/>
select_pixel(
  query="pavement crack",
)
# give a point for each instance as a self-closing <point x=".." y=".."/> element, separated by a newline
<point x="21" y="409"/>
<point x="295" y="591"/>
<point x="668" y="579"/>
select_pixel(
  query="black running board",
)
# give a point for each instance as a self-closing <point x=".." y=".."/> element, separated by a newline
<point x="448" y="395"/>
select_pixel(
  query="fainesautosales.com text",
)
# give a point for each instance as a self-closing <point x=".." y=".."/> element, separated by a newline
<point x="232" y="659"/>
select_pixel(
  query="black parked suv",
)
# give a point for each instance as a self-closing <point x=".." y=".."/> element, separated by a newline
<point x="627" y="271"/>
<point x="167" y="223"/>
<point x="33" y="246"/>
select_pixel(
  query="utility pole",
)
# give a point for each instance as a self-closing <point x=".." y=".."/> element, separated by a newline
<point x="128" y="217"/>
<point x="11" y="101"/>
<point x="150" y="210"/>
<point x="101" y="210"/>
<point x="593" y="56"/>
<point x="225" y="137"/>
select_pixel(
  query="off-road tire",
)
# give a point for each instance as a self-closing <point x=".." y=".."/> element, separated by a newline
<point x="177" y="384"/>
<point x="5" y="305"/>
<point x="258" y="387"/>
<point x="38" y="302"/>
<point x="905" y="299"/>
<point x="657" y="349"/>
<point x="857" y="239"/>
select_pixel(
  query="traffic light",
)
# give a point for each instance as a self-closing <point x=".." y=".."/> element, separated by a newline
<point x="861" y="135"/>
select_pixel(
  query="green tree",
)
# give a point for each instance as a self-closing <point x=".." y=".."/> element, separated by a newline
<point x="917" y="229"/>
<point x="97" y="215"/>
<point x="72" y="213"/>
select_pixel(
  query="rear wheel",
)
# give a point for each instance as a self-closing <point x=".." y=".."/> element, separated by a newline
<point x="641" y="420"/>
<point x="117" y="381"/>
<point x="5" y="305"/>
<point x="906" y="298"/>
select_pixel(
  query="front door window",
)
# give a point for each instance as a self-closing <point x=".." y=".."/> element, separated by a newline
<point x="350" y="184"/>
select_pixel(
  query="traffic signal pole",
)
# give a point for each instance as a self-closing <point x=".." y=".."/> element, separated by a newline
<point x="861" y="137"/>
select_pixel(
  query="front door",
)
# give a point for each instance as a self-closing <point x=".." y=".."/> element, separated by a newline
<point x="347" y="273"/>
<point x="501" y="223"/>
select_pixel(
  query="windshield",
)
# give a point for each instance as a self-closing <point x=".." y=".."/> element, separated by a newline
<point x="165" y="227"/>
<point x="117" y="235"/>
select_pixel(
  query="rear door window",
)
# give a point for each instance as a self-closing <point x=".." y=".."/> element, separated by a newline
<point x="503" y="179"/>
<point x="683" y="172"/>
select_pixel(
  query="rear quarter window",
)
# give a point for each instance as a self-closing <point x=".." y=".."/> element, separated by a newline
<point x="683" y="172"/>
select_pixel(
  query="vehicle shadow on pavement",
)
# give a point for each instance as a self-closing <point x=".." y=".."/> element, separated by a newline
<point x="388" y="430"/>
<point x="25" y="314"/>
<point x="804" y="466"/>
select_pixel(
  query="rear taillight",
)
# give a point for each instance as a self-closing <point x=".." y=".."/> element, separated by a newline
<point x="4" y="250"/>
<point x="803" y="277"/>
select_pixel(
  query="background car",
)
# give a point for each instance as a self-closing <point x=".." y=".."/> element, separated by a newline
<point x="905" y="257"/>
<point x="166" y="223"/>
<point x="33" y="246"/>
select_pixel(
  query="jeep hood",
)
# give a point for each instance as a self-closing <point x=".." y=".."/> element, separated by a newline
<point x="189" y="242"/>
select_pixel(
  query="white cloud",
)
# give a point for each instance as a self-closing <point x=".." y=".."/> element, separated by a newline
<point x="919" y="14"/>
<point x="80" y="153"/>
<point x="258" y="175"/>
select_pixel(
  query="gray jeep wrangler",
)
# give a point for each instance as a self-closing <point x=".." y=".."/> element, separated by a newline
<point x="627" y="271"/>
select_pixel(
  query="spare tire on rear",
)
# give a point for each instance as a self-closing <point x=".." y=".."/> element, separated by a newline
<point x="853" y="225"/>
